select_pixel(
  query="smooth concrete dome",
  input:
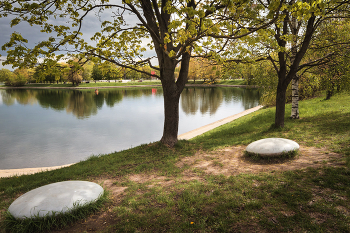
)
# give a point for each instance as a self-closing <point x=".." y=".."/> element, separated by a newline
<point x="272" y="146"/>
<point x="58" y="197"/>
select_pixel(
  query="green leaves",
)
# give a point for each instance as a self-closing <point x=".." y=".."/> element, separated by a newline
<point x="15" y="21"/>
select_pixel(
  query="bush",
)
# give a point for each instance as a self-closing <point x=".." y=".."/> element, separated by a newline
<point x="15" y="80"/>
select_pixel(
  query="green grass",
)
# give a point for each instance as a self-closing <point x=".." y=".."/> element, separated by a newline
<point x="92" y="84"/>
<point x="322" y="124"/>
<point x="285" y="156"/>
<point x="311" y="200"/>
<point x="222" y="82"/>
<point x="233" y="82"/>
<point x="97" y="84"/>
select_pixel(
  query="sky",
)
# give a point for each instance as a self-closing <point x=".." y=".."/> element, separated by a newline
<point x="91" y="24"/>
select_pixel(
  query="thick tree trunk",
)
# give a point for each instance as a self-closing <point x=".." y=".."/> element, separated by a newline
<point x="171" y="96"/>
<point x="280" y="106"/>
<point x="171" y="116"/>
<point x="171" y="92"/>
<point x="295" y="98"/>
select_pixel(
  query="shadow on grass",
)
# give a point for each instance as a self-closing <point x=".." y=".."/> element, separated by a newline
<point x="333" y="127"/>
<point x="330" y="129"/>
<point x="291" y="201"/>
<point x="330" y="122"/>
<point x="267" y="160"/>
<point x="241" y="131"/>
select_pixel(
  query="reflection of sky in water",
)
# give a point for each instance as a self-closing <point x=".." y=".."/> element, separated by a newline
<point x="32" y="136"/>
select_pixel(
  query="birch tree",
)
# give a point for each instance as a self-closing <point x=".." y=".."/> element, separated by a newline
<point x="336" y="11"/>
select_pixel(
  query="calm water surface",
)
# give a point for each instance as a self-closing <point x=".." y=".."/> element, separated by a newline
<point x="55" y="127"/>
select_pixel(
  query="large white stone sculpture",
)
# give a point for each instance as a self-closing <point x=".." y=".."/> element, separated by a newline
<point x="55" y="198"/>
<point x="272" y="146"/>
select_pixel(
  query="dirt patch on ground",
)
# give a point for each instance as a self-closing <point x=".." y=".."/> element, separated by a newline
<point x="232" y="161"/>
<point x="229" y="162"/>
<point x="152" y="179"/>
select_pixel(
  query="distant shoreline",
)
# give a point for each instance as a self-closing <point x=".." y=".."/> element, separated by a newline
<point x="128" y="86"/>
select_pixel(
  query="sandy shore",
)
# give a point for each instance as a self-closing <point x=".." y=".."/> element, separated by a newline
<point x="188" y="135"/>
<point x="26" y="171"/>
<point x="218" y="123"/>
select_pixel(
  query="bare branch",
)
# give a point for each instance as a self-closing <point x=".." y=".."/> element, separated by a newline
<point x="317" y="62"/>
<point x="131" y="66"/>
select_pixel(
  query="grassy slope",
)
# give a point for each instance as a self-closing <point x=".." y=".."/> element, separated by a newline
<point x="281" y="201"/>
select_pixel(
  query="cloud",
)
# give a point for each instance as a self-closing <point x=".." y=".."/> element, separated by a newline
<point x="90" y="25"/>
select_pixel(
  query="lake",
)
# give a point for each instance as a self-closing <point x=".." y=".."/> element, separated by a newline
<point x="51" y="127"/>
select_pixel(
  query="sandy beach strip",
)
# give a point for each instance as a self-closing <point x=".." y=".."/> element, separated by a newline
<point x="28" y="171"/>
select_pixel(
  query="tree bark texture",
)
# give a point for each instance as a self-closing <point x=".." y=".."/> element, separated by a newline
<point x="171" y="117"/>
<point x="295" y="81"/>
<point x="280" y="105"/>
<point x="295" y="98"/>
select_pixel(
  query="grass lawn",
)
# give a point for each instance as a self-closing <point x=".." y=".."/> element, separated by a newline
<point x="233" y="82"/>
<point x="92" y="84"/>
<point x="222" y="82"/>
<point x="207" y="184"/>
<point x="97" y="84"/>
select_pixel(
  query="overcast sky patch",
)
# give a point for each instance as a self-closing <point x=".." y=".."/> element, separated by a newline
<point x="91" y="24"/>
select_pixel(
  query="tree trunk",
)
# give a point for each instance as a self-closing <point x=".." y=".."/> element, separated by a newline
<point x="171" y="116"/>
<point x="280" y="106"/>
<point x="171" y="93"/>
<point x="295" y="98"/>
<point x="330" y="92"/>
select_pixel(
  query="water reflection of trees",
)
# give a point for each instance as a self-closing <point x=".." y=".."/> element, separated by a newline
<point x="190" y="100"/>
<point x="113" y="97"/>
<point x="55" y="99"/>
<point x="22" y="96"/>
<point x="137" y="93"/>
<point x="208" y="100"/>
<point x="85" y="103"/>
<point x="81" y="103"/>
<point x="248" y="97"/>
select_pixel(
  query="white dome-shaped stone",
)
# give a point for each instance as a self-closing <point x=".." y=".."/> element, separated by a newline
<point x="272" y="146"/>
<point x="58" y="197"/>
